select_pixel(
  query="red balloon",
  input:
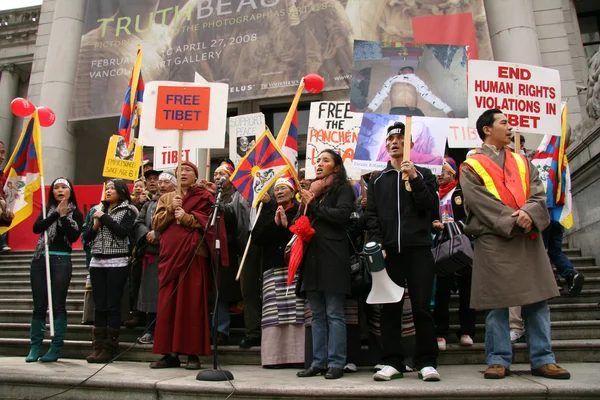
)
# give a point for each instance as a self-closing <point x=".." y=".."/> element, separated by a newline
<point x="46" y="116"/>
<point x="22" y="107"/>
<point x="314" y="83"/>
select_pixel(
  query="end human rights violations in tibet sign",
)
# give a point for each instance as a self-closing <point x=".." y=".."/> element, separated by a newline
<point x="528" y="95"/>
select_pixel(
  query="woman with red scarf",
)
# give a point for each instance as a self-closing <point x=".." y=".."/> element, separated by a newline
<point x="452" y="210"/>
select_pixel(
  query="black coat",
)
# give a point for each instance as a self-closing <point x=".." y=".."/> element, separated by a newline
<point x="326" y="263"/>
<point x="273" y="238"/>
<point x="399" y="213"/>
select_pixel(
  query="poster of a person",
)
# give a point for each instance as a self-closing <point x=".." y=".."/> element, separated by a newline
<point x="409" y="79"/>
<point x="243" y="131"/>
<point x="244" y="143"/>
<point x="122" y="152"/>
<point x="428" y="135"/>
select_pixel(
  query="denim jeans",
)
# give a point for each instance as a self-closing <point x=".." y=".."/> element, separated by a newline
<point x="328" y="329"/>
<point x="60" y="277"/>
<point x="107" y="288"/>
<point x="553" y="238"/>
<point x="224" y="319"/>
<point x="498" y="349"/>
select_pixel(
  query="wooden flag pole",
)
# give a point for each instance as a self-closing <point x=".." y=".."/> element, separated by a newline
<point x="180" y="149"/>
<point x="208" y="165"/>
<point x="517" y="142"/>
<point x="363" y="190"/>
<point x="407" y="143"/>
<point x="237" y="278"/>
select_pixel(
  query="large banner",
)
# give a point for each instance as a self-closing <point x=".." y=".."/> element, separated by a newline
<point x="331" y="125"/>
<point x="260" y="48"/>
<point x="428" y="135"/>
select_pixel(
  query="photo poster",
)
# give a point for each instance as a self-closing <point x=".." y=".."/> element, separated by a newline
<point x="409" y="79"/>
<point x="122" y="162"/>
<point x="244" y="130"/>
<point x="331" y="125"/>
<point x="428" y="135"/>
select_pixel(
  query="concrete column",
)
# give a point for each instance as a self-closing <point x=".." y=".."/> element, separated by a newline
<point x="9" y="88"/>
<point x="57" y="87"/>
<point x="512" y="30"/>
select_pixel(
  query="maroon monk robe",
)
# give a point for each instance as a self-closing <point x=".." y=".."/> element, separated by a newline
<point x="183" y="319"/>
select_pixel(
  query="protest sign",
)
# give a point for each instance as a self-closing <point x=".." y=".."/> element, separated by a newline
<point x="460" y="136"/>
<point x="122" y="162"/>
<point x="243" y="132"/>
<point x="331" y="125"/>
<point x="165" y="157"/>
<point x="528" y="95"/>
<point x="199" y="109"/>
<point x="428" y="135"/>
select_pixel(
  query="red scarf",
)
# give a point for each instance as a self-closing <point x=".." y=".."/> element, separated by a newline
<point x="445" y="189"/>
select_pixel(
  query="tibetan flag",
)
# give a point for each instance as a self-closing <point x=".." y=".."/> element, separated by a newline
<point x="132" y="105"/>
<point x="290" y="145"/>
<point x="259" y="169"/>
<point x="551" y="161"/>
<point x="23" y="172"/>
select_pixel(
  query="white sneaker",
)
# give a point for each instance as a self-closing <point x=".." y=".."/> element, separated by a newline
<point x="466" y="340"/>
<point x="441" y="344"/>
<point x="350" y="367"/>
<point x="429" y="374"/>
<point x="378" y="367"/>
<point x="387" y="373"/>
<point x="514" y="336"/>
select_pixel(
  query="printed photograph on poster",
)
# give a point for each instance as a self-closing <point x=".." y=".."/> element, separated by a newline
<point x="528" y="95"/>
<point x="121" y="162"/>
<point x="179" y="38"/>
<point x="331" y="125"/>
<point x="409" y="79"/>
<point x="165" y="157"/>
<point x="428" y="135"/>
<point x="243" y="131"/>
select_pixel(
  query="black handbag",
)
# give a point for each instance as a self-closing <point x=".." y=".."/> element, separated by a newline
<point x="453" y="251"/>
<point x="360" y="275"/>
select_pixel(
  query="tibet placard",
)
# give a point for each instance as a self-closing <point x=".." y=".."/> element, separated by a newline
<point x="243" y="132"/>
<point x="198" y="109"/>
<point x="331" y="125"/>
<point x="121" y="161"/>
<point x="528" y="95"/>
<point x="166" y="157"/>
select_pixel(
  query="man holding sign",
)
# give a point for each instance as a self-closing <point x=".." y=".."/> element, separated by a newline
<point x="507" y="212"/>
<point x="401" y="224"/>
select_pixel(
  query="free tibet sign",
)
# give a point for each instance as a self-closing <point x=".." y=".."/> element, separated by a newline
<point x="181" y="107"/>
<point x="528" y="95"/>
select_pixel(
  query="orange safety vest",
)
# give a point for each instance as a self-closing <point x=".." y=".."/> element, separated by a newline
<point x="511" y="185"/>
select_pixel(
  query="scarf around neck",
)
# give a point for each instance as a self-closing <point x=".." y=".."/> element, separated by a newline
<point x="52" y="229"/>
<point x="320" y="186"/>
<point x="445" y="189"/>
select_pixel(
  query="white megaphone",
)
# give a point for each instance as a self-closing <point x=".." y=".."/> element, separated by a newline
<point x="383" y="289"/>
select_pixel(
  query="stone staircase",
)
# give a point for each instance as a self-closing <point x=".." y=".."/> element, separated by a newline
<point x="575" y="320"/>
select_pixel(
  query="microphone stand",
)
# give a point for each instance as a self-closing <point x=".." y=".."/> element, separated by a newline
<point x="216" y="374"/>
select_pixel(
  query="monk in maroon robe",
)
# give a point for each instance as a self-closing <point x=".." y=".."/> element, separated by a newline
<point x="183" y="323"/>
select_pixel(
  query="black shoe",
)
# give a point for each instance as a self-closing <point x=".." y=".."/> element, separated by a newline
<point x="222" y="339"/>
<point x="575" y="283"/>
<point x="249" y="341"/>
<point x="312" y="371"/>
<point x="334" y="373"/>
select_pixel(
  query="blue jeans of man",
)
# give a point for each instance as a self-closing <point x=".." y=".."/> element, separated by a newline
<point x="498" y="349"/>
<point x="328" y="329"/>
<point x="553" y="238"/>
<point x="224" y="319"/>
<point x="61" y="269"/>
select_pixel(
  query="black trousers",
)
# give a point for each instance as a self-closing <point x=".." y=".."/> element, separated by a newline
<point x="414" y="268"/>
<point x="441" y="313"/>
<point x="251" y="286"/>
<point x="60" y="278"/>
<point x="107" y="289"/>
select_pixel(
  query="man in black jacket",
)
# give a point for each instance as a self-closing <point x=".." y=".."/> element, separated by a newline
<point x="399" y="216"/>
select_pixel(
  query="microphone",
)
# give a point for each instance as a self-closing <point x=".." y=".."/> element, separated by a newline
<point x="221" y="180"/>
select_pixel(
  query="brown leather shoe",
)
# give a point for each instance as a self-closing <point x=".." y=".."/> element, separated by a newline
<point x="496" y="371"/>
<point x="551" y="371"/>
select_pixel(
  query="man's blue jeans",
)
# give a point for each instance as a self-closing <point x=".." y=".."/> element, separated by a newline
<point x="553" y="237"/>
<point x="498" y="349"/>
<point x="328" y="329"/>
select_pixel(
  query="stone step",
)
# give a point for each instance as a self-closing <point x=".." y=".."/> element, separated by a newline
<point x="558" y="312"/>
<point x="78" y="273"/>
<point x="24" y="267"/>
<point x="19" y="259"/>
<point x="582" y="261"/>
<point x="76" y="284"/>
<point x="73" y="304"/>
<point x="26" y="294"/>
<point x="586" y="296"/>
<point x="574" y="252"/>
<point x="561" y="330"/>
<point x="565" y="350"/>
<point x="23" y="316"/>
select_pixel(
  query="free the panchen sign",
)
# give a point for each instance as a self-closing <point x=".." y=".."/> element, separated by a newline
<point x="528" y="95"/>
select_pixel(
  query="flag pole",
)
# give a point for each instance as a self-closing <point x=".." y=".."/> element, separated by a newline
<point x="237" y="277"/>
<point x="285" y="127"/>
<point x="47" y="257"/>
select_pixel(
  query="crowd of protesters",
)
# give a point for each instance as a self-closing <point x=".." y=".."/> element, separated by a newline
<point x="156" y="251"/>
